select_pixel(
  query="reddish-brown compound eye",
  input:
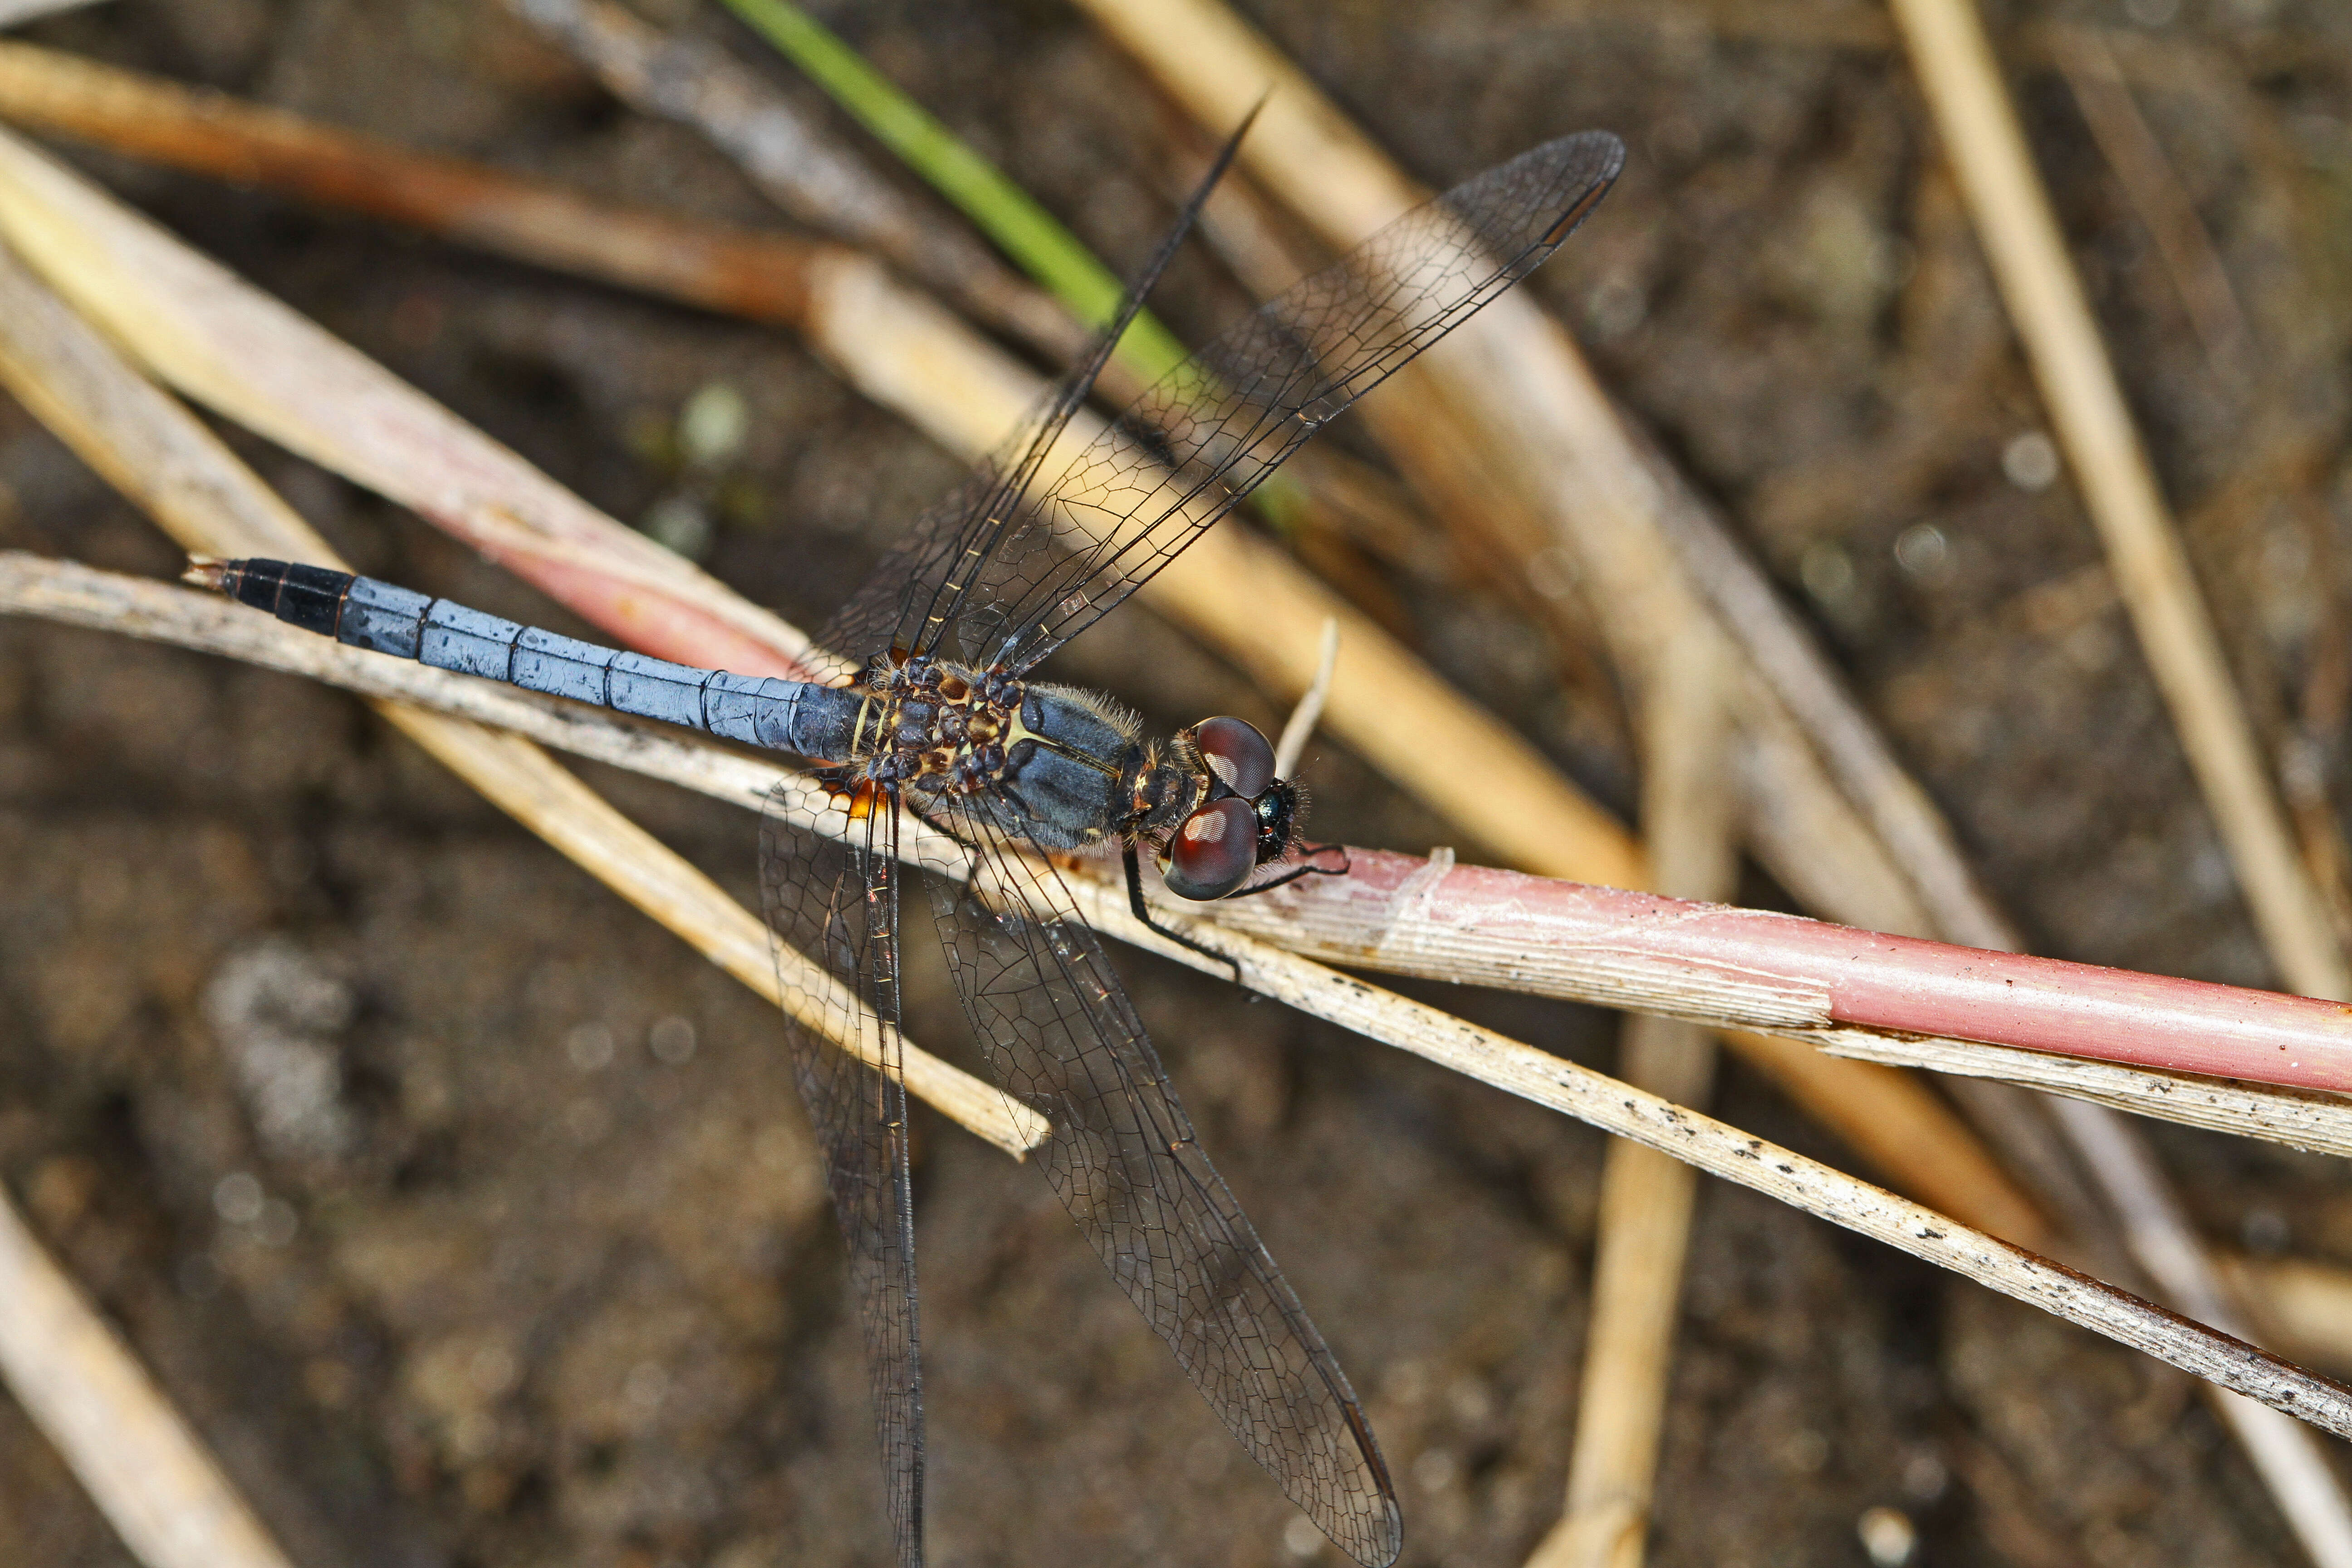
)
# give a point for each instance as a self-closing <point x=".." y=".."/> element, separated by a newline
<point x="1214" y="851"/>
<point x="1236" y="753"/>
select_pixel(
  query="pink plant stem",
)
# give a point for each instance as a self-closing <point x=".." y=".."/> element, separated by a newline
<point x="1765" y="970"/>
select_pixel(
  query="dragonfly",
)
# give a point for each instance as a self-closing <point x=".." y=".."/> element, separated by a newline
<point x="938" y="722"/>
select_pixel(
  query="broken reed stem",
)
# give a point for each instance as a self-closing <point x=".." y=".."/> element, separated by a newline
<point x="1392" y="912"/>
<point x="119" y="1434"/>
<point x="2018" y="231"/>
<point x="1644" y="1228"/>
<point x="163" y="458"/>
<point x="1300" y="727"/>
<point x="155" y="610"/>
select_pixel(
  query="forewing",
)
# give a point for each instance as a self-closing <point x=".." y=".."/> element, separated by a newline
<point x="882" y="613"/>
<point x="920" y="590"/>
<point x="833" y="911"/>
<point x="1063" y="1039"/>
<point x="1061" y="549"/>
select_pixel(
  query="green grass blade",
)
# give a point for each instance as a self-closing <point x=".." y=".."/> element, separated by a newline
<point x="1037" y="243"/>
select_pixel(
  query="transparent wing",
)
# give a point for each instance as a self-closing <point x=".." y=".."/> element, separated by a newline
<point x="917" y="587"/>
<point x="1062" y="1038"/>
<point x="877" y="617"/>
<point x="833" y="911"/>
<point x="1034" y="550"/>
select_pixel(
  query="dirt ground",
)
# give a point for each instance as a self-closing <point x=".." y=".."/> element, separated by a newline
<point x="473" y="1219"/>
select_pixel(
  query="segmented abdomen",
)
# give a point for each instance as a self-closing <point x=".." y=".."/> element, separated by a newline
<point x="794" y="716"/>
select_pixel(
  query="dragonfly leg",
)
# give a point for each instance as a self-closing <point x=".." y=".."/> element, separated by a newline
<point x="1143" y="913"/>
<point x="1296" y="872"/>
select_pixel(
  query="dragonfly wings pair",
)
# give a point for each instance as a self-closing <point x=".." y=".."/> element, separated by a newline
<point x="1042" y="542"/>
<point x="943" y="720"/>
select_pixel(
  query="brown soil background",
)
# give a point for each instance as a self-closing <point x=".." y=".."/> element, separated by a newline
<point x="492" y="1299"/>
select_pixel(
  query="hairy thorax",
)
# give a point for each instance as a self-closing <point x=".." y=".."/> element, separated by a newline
<point x="1065" y="767"/>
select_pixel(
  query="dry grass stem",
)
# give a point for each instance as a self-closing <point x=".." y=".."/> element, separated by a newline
<point x="2019" y="229"/>
<point x="163" y="458"/>
<point x="1644" y="1224"/>
<point x="142" y="1464"/>
<point x="1907" y="1132"/>
<point x="2313" y="1121"/>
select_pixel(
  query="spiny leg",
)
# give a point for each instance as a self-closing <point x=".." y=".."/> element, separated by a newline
<point x="1143" y="913"/>
<point x="1296" y="872"/>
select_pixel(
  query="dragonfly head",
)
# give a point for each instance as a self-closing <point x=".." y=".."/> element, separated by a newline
<point x="1244" y="816"/>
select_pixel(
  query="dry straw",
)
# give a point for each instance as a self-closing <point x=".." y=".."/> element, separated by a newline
<point x="1642" y="1229"/>
<point x="142" y="1462"/>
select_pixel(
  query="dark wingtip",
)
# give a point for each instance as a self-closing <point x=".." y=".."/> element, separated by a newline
<point x="1606" y="160"/>
<point x="1255" y="111"/>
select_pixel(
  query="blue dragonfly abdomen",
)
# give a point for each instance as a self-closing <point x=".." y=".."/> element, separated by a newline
<point x="819" y="722"/>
